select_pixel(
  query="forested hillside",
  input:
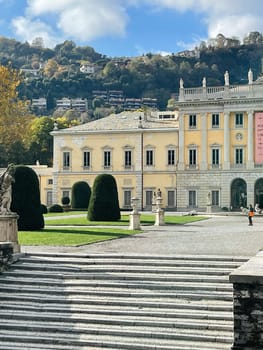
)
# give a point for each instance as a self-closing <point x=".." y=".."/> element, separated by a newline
<point x="55" y="73"/>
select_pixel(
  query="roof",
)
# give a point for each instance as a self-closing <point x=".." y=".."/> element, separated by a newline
<point x="125" y="121"/>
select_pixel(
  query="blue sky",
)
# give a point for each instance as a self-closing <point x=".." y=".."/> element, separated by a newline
<point x="129" y="27"/>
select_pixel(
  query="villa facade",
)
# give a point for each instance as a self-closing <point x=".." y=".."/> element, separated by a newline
<point x="207" y="152"/>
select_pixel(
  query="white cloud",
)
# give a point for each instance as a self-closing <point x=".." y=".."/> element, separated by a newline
<point x="231" y="18"/>
<point x="29" y="29"/>
<point x="86" y="20"/>
<point x="81" y="20"/>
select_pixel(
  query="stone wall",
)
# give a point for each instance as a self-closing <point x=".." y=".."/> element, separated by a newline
<point x="248" y="304"/>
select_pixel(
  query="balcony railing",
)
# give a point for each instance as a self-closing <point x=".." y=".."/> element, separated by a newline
<point x="221" y="92"/>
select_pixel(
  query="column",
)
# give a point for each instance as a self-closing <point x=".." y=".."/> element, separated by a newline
<point x="250" y="138"/>
<point x="181" y="164"/>
<point x="203" y="163"/>
<point x="226" y="164"/>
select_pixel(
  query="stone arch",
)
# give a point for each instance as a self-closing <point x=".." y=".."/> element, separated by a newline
<point x="238" y="194"/>
<point x="258" y="192"/>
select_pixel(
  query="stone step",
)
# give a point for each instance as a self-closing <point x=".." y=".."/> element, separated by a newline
<point x="16" y="274"/>
<point x="105" y="315"/>
<point x="71" y="301"/>
<point x="137" y="262"/>
<point x="52" y="323"/>
<point x="27" y="343"/>
<point x="119" y="285"/>
<point x="120" y="270"/>
<point x="139" y="257"/>
<point x="135" y="340"/>
<point x="165" y="306"/>
<point x="71" y="291"/>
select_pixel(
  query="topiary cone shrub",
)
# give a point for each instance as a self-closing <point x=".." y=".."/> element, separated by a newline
<point x="80" y="195"/>
<point x="26" y="199"/>
<point x="104" y="202"/>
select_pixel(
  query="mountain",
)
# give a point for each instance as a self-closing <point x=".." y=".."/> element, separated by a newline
<point x="72" y="71"/>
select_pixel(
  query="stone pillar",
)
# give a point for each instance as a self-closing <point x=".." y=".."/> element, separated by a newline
<point x="135" y="215"/>
<point x="159" y="215"/>
<point x="8" y="230"/>
<point x="181" y="142"/>
<point x="250" y="138"/>
<point x="248" y="304"/>
<point x="226" y="164"/>
<point x="203" y="163"/>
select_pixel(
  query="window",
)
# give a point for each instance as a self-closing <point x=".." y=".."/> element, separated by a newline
<point x="239" y="120"/>
<point x="149" y="157"/>
<point x="65" y="193"/>
<point x="50" y="181"/>
<point x="215" y="157"/>
<point x="66" y="160"/>
<point x="148" y="198"/>
<point x="239" y="156"/>
<point x="128" y="159"/>
<point x="86" y="159"/>
<point x="192" y="158"/>
<point x="171" y="198"/>
<point x="192" y="121"/>
<point x="192" y="198"/>
<point x="107" y="159"/>
<point x="127" y="198"/>
<point x="215" y="198"/>
<point x="171" y="157"/>
<point x="49" y="198"/>
<point x="215" y="120"/>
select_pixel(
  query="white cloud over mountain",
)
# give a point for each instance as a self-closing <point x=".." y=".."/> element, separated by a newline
<point x="85" y="20"/>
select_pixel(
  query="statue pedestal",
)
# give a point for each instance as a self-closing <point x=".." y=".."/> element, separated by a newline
<point x="209" y="209"/>
<point x="135" y="221"/>
<point x="8" y="230"/>
<point x="159" y="218"/>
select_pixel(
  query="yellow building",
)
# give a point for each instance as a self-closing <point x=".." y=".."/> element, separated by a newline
<point x="207" y="154"/>
<point x="220" y="145"/>
<point x="140" y="150"/>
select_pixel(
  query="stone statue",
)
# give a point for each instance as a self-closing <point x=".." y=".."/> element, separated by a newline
<point x="226" y="78"/>
<point x="204" y="82"/>
<point x="6" y="179"/>
<point x="181" y="83"/>
<point x="250" y="76"/>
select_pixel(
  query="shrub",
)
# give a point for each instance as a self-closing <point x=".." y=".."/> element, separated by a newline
<point x="80" y="195"/>
<point x="26" y="199"/>
<point x="104" y="202"/>
<point x="65" y="200"/>
<point x="43" y="209"/>
<point x="55" y="208"/>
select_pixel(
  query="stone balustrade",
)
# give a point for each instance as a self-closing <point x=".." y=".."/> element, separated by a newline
<point x="221" y="92"/>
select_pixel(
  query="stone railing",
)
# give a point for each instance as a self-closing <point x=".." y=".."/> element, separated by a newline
<point x="220" y="92"/>
<point x="248" y="304"/>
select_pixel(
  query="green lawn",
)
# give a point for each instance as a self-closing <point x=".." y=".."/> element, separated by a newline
<point x="71" y="236"/>
<point x="145" y="219"/>
<point x="79" y="231"/>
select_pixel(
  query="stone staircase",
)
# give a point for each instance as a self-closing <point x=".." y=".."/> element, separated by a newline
<point x="69" y="301"/>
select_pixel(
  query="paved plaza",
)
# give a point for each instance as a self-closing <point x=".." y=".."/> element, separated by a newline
<point x="227" y="235"/>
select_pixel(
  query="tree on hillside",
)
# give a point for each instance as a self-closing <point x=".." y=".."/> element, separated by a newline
<point x="15" y="117"/>
<point x="26" y="199"/>
<point x="104" y="202"/>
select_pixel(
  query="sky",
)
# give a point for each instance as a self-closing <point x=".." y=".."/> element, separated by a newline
<point x="117" y="28"/>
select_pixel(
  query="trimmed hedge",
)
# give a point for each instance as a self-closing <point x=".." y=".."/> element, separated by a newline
<point x="104" y="202"/>
<point x="80" y="195"/>
<point x="26" y="199"/>
<point x="56" y="208"/>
